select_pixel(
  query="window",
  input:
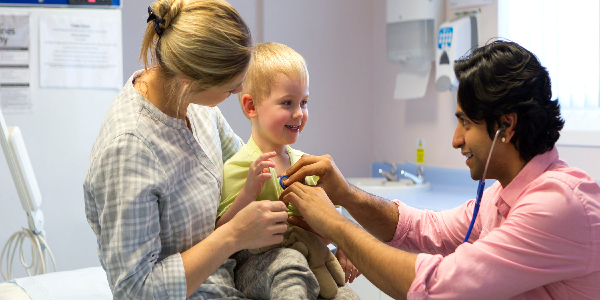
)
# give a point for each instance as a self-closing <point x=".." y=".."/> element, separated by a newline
<point x="564" y="35"/>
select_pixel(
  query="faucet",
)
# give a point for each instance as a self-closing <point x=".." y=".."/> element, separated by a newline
<point x="416" y="179"/>
<point x="392" y="175"/>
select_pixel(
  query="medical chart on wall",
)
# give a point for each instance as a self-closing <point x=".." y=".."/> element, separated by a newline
<point x="79" y="53"/>
<point x="15" y="95"/>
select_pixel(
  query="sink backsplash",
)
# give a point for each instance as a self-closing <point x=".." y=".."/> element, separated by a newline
<point x="435" y="175"/>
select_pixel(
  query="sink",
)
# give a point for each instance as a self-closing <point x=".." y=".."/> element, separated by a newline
<point x="388" y="189"/>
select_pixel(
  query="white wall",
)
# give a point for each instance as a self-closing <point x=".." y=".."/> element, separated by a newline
<point x="334" y="38"/>
<point x="58" y="135"/>
<point x="353" y="115"/>
<point x="340" y="112"/>
<point x="432" y="117"/>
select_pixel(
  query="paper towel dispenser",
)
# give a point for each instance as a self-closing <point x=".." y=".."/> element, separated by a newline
<point x="456" y="38"/>
<point x="411" y="26"/>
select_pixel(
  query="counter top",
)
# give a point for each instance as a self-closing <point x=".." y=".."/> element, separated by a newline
<point x="449" y="187"/>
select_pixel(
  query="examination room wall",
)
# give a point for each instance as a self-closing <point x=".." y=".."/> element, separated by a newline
<point x="398" y="123"/>
<point x="334" y="38"/>
<point x="353" y="115"/>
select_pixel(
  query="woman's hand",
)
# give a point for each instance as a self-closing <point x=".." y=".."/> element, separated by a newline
<point x="257" y="174"/>
<point x="348" y="267"/>
<point x="260" y="224"/>
<point x="331" y="179"/>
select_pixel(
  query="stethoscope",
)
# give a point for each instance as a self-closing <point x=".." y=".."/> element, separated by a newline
<point x="281" y="181"/>
<point x="482" y="185"/>
<point x="479" y="188"/>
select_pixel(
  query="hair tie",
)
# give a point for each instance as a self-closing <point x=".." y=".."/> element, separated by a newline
<point x="157" y="20"/>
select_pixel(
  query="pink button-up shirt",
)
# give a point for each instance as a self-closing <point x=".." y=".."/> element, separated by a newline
<point x="539" y="238"/>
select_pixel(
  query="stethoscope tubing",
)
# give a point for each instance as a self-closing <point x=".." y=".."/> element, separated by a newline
<point x="481" y="186"/>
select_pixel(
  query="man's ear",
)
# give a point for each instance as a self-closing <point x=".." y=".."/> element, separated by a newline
<point x="248" y="106"/>
<point x="510" y="121"/>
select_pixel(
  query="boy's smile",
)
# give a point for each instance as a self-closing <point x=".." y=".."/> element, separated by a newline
<point x="282" y="115"/>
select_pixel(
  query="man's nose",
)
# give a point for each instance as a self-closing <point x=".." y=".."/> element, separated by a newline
<point x="458" y="139"/>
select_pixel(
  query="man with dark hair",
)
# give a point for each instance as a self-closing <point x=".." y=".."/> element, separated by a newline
<point x="537" y="235"/>
<point x="504" y="78"/>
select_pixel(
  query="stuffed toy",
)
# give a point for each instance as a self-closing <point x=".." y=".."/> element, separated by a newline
<point x="321" y="261"/>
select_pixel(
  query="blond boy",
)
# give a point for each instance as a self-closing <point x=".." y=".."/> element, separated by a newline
<point x="275" y="100"/>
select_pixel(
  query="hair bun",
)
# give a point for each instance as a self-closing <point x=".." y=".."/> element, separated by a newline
<point x="167" y="10"/>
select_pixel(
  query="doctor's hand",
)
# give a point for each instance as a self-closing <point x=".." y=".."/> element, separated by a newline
<point x="260" y="224"/>
<point x="331" y="179"/>
<point x="300" y="222"/>
<point x="314" y="205"/>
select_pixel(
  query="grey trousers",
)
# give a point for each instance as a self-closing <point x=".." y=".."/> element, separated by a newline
<point x="280" y="273"/>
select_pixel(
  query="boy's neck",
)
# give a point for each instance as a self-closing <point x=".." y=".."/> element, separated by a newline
<point x="265" y="146"/>
<point x="282" y="159"/>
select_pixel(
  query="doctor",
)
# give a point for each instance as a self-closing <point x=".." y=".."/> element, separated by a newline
<point x="538" y="231"/>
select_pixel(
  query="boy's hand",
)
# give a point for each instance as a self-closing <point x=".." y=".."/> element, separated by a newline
<point x="349" y="269"/>
<point x="257" y="174"/>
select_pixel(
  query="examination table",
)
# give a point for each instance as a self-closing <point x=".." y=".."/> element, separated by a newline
<point x="88" y="283"/>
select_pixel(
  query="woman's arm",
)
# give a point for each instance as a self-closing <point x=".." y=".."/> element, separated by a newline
<point x="259" y="224"/>
<point x="124" y="191"/>
<point x="124" y="187"/>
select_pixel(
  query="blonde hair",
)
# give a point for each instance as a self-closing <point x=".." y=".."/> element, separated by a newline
<point x="268" y="60"/>
<point x="206" y="41"/>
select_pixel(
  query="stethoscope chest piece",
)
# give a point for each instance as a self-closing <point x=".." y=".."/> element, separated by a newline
<point x="281" y="181"/>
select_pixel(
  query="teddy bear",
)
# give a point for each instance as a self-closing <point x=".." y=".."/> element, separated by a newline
<point x="321" y="261"/>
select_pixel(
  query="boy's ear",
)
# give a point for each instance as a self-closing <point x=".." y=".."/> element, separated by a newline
<point x="248" y="106"/>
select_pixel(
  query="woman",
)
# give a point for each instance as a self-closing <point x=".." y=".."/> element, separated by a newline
<point x="154" y="179"/>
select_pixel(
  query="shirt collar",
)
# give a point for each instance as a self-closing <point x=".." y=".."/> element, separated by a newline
<point x="532" y="170"/>
<point x="253" y="148"/>
<point x="156" y="113"/>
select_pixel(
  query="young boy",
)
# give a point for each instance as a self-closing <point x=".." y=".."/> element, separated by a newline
<point x="275" y="98"/>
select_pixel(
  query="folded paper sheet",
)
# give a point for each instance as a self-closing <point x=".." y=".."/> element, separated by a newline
<point x="412" y="79"/>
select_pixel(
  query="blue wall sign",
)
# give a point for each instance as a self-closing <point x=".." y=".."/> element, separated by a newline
<point x="445" y="37"/>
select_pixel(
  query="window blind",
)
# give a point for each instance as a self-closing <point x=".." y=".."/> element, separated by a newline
<point x="564" y="35"/>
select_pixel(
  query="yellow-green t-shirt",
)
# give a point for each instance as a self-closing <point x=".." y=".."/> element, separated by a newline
<point x="235" y="173"/>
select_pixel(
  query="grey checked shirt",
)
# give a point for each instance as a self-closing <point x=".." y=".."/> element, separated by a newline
<point x="152" y="192"/>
